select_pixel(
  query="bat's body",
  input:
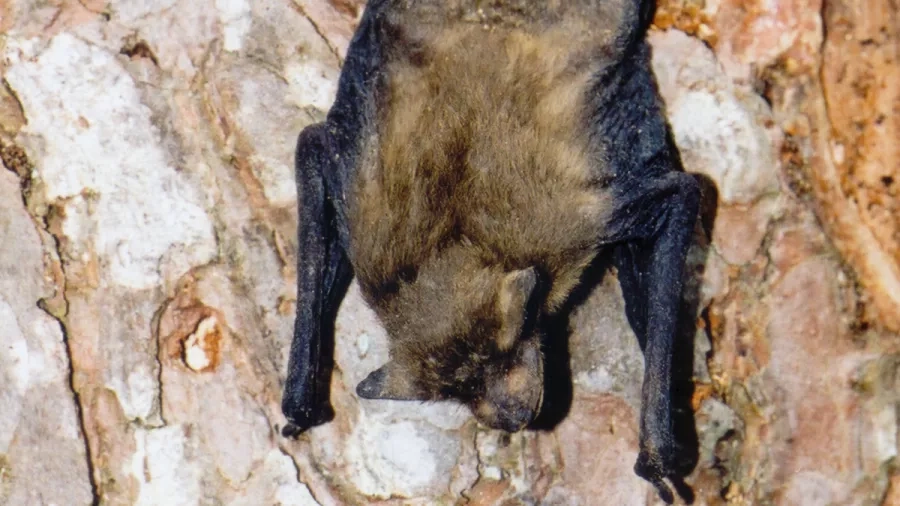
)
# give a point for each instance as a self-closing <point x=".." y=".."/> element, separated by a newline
<point x="478" y="156"/>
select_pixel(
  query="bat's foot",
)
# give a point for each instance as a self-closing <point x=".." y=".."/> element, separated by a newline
<point x="657" y="466"/>
<point x="301" y="420"/>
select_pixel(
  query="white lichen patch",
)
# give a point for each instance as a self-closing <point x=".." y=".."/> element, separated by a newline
<point x="139" y="393"/>
<point x="129" y="11"/>
<point x="294" y="494"/>
<point x="718" y="135"/>
<point x="812" y="488"/>
<point x="597" y="379"/>
<point x="400" y="458"/>
<point x="162" y="469"/>
<point x="266" y="120"/>
<point x="14" y="359"/>
<point x="720" y="129"/>
<point x="236" y="20"/>
<point x="89" y="134"/>
<point x="883" y="440"/>
<point x="311" y="83"/>
<point x="201" y="348"/>
<point x="275" y="482"/>
<point x="14" y="373"/>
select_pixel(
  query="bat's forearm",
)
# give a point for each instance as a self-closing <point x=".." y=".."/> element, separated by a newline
<point x="301" y="402"/>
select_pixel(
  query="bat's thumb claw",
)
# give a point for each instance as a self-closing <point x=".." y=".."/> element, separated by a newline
<point x="665" y="493"/>
<point x="651" y="470"/>
<point x="291" y="431"/>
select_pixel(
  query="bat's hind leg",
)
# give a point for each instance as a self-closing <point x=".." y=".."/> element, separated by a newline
<point x="322" y="274"/>
<point x="656" y="220"/>
<point x="326" y="163"/>
<point x="654" y="210"/>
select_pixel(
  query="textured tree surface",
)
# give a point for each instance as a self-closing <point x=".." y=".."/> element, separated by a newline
<point x="147" y="250"/>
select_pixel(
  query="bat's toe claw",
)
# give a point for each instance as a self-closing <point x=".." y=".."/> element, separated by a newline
<point x="655" y="467"/>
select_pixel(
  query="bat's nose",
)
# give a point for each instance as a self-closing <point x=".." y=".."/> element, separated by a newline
<point x="511" y="420"/>
<point x="511" y="415"/>
<point x="515" y="424"/>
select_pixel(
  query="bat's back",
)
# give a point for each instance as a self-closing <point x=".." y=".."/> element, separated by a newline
<point x="483" y="133"/>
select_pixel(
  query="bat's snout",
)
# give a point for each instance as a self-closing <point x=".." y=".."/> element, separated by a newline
<point x="513" y="400"/>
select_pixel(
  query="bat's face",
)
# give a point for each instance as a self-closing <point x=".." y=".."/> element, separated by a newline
<point x="503" y="392"/>
<point x="513" y="391"/>
<point x="469" y="335"/>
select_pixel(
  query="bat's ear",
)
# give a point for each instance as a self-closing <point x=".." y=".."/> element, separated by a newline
<point x="516" y="291"/>
<point x="389" y="382"/>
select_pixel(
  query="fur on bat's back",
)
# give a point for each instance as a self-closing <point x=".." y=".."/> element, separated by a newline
<point x="481" y="141"/>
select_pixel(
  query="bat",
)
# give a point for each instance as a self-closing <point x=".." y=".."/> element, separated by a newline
<point x="479" y="155"/>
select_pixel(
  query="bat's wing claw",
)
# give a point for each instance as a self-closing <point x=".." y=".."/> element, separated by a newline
<point x="292" y="431"/>
<point x="665" y="493"/>
<point x="305" y="419"/>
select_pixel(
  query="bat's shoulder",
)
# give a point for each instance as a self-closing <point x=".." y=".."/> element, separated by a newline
<point x="600" y="28"/>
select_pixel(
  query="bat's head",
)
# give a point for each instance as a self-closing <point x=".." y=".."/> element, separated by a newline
<point x="465" y="331"/>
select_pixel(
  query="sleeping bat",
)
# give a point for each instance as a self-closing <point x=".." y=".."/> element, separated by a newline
<point x="479" y="155"/>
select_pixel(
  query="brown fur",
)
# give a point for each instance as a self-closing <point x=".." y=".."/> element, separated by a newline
<point x="481" y="166"/>
<point x="485" y="140"/>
